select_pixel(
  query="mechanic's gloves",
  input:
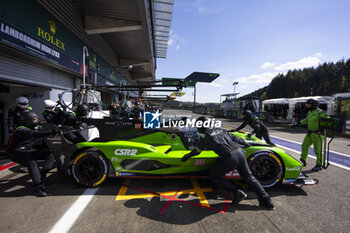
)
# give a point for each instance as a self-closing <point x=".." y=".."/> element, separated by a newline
<point x="186" y="157"/>
<point x="249" y="135"/>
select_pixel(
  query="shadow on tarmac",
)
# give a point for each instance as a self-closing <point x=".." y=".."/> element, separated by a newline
<point x="177" y="212"/>
<point x="18" y="184"/>
<point x="184" y="211"/>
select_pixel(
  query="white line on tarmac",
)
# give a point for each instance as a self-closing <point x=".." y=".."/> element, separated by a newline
<point x="301" y="143"/>
<point x="311" y="147"/>
<point x="67" y="220"/>
<point x="314" y="157"/>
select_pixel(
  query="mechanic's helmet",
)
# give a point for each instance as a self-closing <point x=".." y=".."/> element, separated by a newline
<point x="312" y="104"/>
<point x="247" y="114"/>
<point x="82" y="110"/>
<point x="49" y="105"/>
<point x="31" y="119"/>
<point x="202" y="119"/>
<point x="22" y="102"/>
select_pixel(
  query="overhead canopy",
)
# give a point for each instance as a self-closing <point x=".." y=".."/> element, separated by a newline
<point x="177" y="81"/>
<point x="276" y="101"/>
<point x="202" y="77"/>
<point x="343" y="95"/>
<point x="162" y="12"/>
<point x="137" y="31"/>
<point x="321" y="99"/>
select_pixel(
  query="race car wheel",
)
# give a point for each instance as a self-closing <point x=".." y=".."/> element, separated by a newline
<point x="266" y="167"/>
<point x="90" y="168"/>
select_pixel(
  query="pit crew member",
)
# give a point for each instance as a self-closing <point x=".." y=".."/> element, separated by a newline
<point x="16" y="113"/>
<point x="26" y="148"/>
<point x="231" y="156"/>
<point x="259" y="128"/>
<point x="313" y="135"/>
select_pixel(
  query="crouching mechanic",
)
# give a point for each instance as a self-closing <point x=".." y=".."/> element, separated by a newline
<point x="313" y="135"/>
<point x="26" y="148"/>
<point x="231" y="156"/>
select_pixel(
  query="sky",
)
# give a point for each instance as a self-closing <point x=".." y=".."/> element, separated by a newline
<point x="251" y="41"/>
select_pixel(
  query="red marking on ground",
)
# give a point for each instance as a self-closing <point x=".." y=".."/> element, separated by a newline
<point x="170" y="200"/>
<point x="227" y="202"/>
<point x="188" y="202"/>
<point x="167" y="204"/>
<point x="3" y="167"/>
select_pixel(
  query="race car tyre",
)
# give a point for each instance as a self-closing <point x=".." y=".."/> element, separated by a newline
<point x="266" y="167"/>
<point x="90" y="168"/>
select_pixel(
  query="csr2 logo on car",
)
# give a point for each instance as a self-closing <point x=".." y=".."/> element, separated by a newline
<point x="129" y="152"/>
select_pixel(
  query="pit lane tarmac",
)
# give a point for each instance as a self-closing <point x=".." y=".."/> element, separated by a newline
<point x="177" y="205"/>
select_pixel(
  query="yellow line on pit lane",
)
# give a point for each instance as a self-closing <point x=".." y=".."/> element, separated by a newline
<point x="200" y="193"/>
<point x="124" y="188"/>
<point x="169" y="193"/>
<point x="197" y="190"/>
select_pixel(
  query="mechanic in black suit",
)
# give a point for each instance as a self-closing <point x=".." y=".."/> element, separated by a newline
<point x="259" y="128"/>
<point x="231" y="156"/>
<point x="26" y="147"/>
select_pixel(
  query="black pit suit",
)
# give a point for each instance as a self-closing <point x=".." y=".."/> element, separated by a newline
<point x="16" y="117"/>
<point x="72" y="120"/>
<point x="231" y="156"/>
<point x="27" y="147"/>
<point x="259" y="128"/>
<point x="59" y="117"/>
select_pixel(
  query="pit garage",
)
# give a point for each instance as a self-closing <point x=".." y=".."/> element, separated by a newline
<point x="48" y="47"/>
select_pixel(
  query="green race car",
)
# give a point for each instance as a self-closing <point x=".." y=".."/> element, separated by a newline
<point x="157" y="153"/>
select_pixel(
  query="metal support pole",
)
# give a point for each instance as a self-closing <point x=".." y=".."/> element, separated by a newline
<point x="85" y="53"/>
<point x="95" y="79"/>
<point x="194" y="98"/>
<point x="325" y="155"/>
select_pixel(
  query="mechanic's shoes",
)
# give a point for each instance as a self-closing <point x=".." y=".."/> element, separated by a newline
<point x="266" y="203"/>
<point x="303" y="162"/>
<point x="238" y="196"/>
<point x="48" y="181"/>
<point x="317" y="168"/>
<point x="41" y="191"/>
